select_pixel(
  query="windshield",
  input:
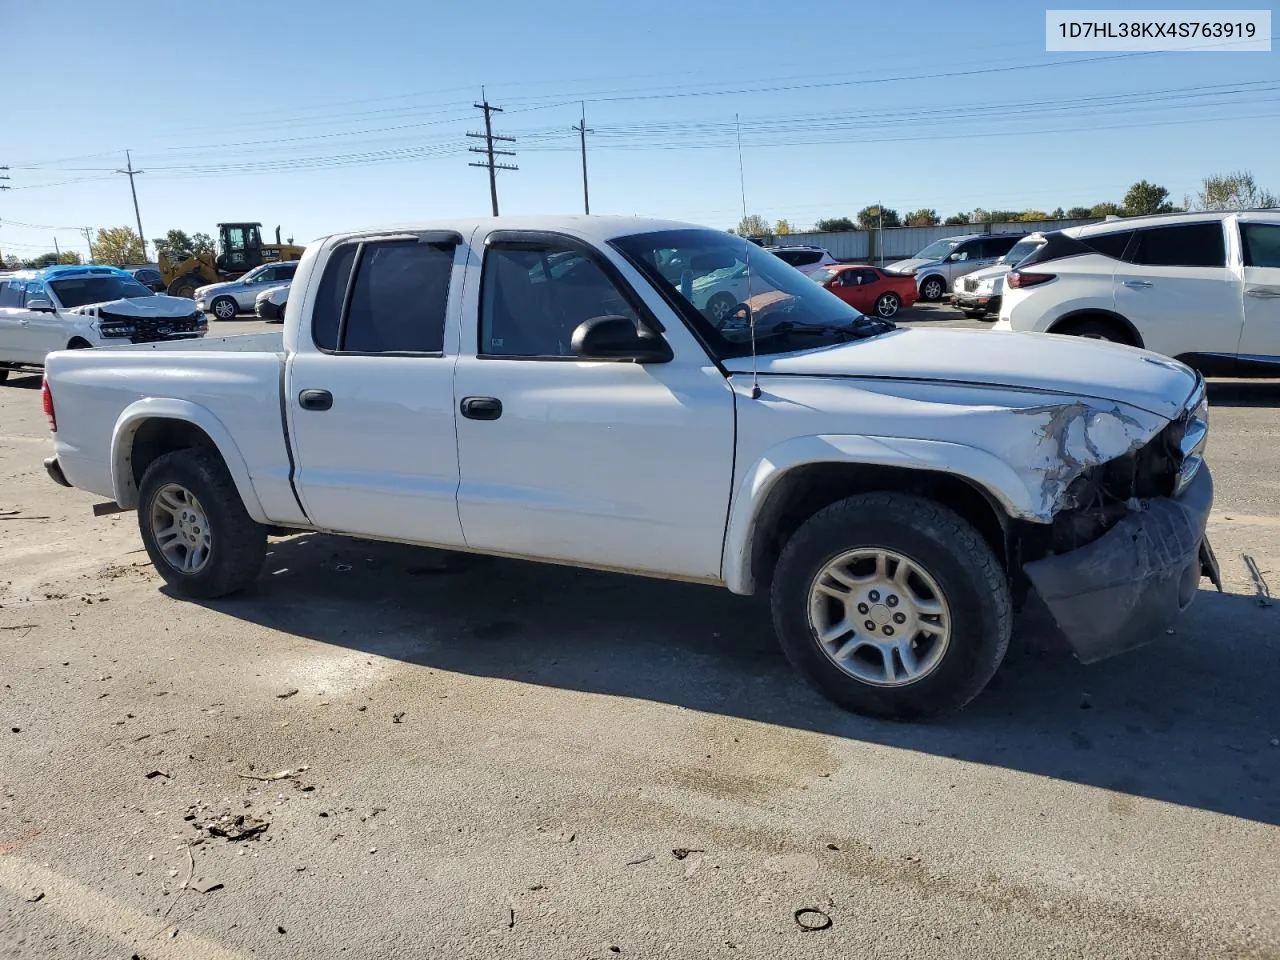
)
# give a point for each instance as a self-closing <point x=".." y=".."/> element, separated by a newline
<point x="790" y="311"/>
<point x="937" y="250"/>
<point x="1021" y="250"/>
<point x="823" y="275"/>
<point x="78" y="291"/>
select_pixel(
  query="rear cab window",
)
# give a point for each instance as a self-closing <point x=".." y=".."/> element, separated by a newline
<point x="384" y="297"/>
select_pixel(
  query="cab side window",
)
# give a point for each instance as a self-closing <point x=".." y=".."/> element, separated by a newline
<point x="11" y="292"/>
<point x="399" y="298"/>
<point x="1186" y="245"/>
<point x="1261" y="242"/>
<point x="534" y="295"/>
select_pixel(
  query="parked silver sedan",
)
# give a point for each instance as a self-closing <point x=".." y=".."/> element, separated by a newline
<point x="225" y="300"/>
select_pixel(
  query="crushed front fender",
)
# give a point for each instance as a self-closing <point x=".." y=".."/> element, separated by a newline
<point x="1121" y="590"/>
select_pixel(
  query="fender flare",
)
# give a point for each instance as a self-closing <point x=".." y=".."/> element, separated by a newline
<point x="985" y="471"/>
<point x="932" y="273"/>
<point x="1102" y="312"/>
<point x="165" y="408"/>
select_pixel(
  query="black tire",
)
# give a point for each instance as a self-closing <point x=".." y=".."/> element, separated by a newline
<point x="975" y="314"/>
<point x="720" y="306"/>
<point x="224" y="308"/>
<point x="1096" y="330"/>
<point x="4" y="374"/>
<point x="79" y="344"/>
<point x="933" y="289"/>
<point x="970" y="576"/>
<point x="185" y="286"/>
<point x="887" y="305"/>
<point x="237" y="545"/>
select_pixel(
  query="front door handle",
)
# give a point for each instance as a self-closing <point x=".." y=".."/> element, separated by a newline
<point x="1263" y="293"/>
<point x="481" y="408"/>
<point x="315" y="399"/>
<point x="1137" y="284"/>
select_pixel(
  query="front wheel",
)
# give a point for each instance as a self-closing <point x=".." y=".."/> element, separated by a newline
<point x="887" y="305"/>
<point x="892" y="606"/>
<point x="932" y="289"/>
<point x="224" y="308"/>
<point x="195" y="527"/>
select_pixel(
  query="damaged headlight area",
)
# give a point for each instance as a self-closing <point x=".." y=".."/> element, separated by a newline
<point x="1126" y="551"/>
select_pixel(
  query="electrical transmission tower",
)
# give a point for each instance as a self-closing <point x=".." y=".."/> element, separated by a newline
<point x="489" y="137"/>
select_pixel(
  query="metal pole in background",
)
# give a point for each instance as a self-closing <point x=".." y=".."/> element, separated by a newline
<point x="134" y="190"/>
<point x="88" y="239"/>
<point x="57" y="254"/>
<point x="489" y="137"/>
<point x="583" y="130"/>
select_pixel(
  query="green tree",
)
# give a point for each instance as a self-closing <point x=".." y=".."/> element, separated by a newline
<point x="1058" y="214"/>
<point x="118" y="245"/>
<point x="870" y="218"/>
<point x="1234" y="191"/>
<point x="782" y="228"/>
<point x="956" y="219"/>
<point x="1143" y="198"/>
<point x="1079" y="213"/>
<point x="50" y="258"/>
<point x="202" y="243"/>
<point x="924" y="217"/>
<point x="835" y="225"/>
<point x="753" y="226"/>
<point x="1027" y="216"/>
<point x="1105" y="209"/>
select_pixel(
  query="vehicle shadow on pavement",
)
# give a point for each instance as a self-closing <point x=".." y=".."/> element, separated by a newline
<point x="1243" y="393"/>
<point x="1189" y="720"/>
<point x="23" y="381"/>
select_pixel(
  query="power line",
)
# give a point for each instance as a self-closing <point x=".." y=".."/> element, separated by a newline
<point x="489" y="137"/>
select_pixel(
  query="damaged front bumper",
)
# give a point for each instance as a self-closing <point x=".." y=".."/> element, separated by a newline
<point x="1121" y="590"/>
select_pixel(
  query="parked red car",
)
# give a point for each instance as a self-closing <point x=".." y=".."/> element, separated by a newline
<point x="868" y="289"/>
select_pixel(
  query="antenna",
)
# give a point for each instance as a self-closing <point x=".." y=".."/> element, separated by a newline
<point x="746" y="257"/>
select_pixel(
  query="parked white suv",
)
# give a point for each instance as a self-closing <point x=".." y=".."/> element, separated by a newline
<point x="68" y="307"/>
<point x="804" y="258"/>
<point x="1203" y="288"/>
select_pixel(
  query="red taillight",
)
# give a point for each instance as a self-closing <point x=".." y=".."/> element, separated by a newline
<point x="1017" y="279"/>
<point x="46" y="398"/>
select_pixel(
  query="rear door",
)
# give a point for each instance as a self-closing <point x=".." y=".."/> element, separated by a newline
<point x="370" y="390"/>
<point x="1175" y="287"/>
<point x="858" y="289"/>
<point x="1260" y="255"/>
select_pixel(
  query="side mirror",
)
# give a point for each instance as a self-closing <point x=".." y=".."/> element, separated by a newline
<point x="40" y="304"/>
<point x="616" y="338"/>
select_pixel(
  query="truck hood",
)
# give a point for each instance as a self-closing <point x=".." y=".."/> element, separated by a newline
<point x="161" y="305"/>
<point x="1040" y="362"/>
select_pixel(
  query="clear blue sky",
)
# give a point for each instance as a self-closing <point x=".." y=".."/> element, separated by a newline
<point x="366" y="106"/>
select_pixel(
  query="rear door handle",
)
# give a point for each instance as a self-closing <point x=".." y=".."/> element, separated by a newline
<point x="315" y="399"/>
<point x="1137" y="284"/>
<point x="1263" y="293"/>
<point x="481" y="408"/>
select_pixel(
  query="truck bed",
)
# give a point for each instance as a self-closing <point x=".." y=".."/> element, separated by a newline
<point x="229" y="386"/>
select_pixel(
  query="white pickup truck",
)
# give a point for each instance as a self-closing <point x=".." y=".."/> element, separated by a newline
<point x="546" y="389"/>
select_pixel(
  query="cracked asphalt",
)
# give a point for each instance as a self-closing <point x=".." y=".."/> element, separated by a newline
<point x="459" y="756"/>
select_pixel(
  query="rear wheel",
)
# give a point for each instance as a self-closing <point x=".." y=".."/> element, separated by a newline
<point x="195" y="527"/>
<point x="932" y="289"/>
<point x="892" y="606"/>
<point x="1098" y="329"/>
<point x="224" y="308"/>
<point x="887" y="305"/>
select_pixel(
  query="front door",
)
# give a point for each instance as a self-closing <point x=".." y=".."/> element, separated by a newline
<point x="46" y="330"/>
<point x="1176" y="288"/>
<point x="370" y="391"/>
<point x="612" y="464"/>
<point x="1260" y="249"/>
<point x="15" y="324"/>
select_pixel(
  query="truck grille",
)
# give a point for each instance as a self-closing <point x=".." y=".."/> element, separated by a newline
<point x="153" y="329"/>
<point x="970" y="285"/>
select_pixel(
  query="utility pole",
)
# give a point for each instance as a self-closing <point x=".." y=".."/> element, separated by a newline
<point x="489" y="137"/>
<point x="57" y="254"/>
<point x="88" y="239"/>
<point x="134" y="190"/>
<point x="583" y="130"/>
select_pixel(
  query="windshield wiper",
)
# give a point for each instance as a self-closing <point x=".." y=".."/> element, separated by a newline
<point x="856" y="330"/>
